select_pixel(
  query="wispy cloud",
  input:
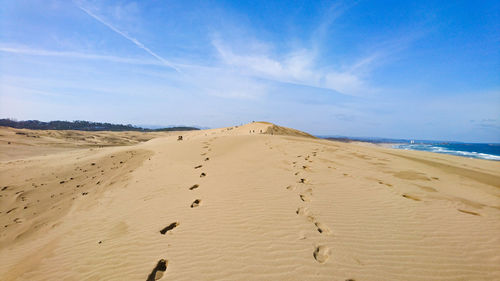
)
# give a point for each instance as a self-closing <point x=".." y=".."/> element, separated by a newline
<point x="297" y="67"/>
<point x="302" y="65"/>
<point x="246" y="70"/>
<point x="329" y="16"/>
<point x="209" y="80"/>
<point x="76" y="55"/>
<point x="305" y="66"/>
<point x="126" y="36"/>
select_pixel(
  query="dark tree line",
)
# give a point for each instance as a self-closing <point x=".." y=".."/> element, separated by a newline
<point x="81" y="126"/>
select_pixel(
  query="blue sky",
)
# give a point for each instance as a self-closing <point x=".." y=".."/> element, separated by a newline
<point x="401" y="69"/>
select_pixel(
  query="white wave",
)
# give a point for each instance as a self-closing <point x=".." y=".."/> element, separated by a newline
<point x="438" y="149"/>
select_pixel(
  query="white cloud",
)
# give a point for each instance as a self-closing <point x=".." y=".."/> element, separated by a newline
<point x="344" y="82"/>
<point x="298" y="67"/>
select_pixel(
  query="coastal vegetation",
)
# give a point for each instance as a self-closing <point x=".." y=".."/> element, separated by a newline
<point x="83" y="126"/>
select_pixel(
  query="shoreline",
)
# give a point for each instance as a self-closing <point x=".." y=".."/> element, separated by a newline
<point x="435" y="148"/>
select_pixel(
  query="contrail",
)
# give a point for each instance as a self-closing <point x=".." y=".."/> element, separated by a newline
<point x="133" y="40"/>
<point x="76" y="55"/>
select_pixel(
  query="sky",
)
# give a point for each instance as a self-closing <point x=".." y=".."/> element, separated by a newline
<point x="395" y="69"/>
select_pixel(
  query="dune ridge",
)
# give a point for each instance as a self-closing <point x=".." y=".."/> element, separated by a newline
<point x="250" y="202"/>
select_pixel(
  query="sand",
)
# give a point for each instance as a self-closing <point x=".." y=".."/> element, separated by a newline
<point x="251" y="202"/>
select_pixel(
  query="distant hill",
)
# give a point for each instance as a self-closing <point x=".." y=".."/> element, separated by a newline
<point x="82" y="126"/>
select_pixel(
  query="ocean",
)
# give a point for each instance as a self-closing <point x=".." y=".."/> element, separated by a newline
<point x="471" y="150"/>
<point x="488" y="151"/>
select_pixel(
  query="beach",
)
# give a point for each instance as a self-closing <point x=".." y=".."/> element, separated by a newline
<point x="250" y="202"/>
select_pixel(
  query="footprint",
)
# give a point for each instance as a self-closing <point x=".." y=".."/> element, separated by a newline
<point x="302" y="181"/>
<point x="194" y="187"/>
<point x="196" y="203"/>
<point x="469" y="212"/>
<point x="302" y="211"/>
<point x="321" y="254"/>
<point x="158" y="271"/>
<point x="305" y="198"/>
<point x="169" y="227"/>
<point x="199" y="166"/>
<point x="306" y="195"/>
<point x="322" y="228"/>
<point x="411" y="197"/>
<point x="202" y="175"/>
<point x="289" y="187"/>
<point x="427" y="188"/>
<point x="206" y="159"/>
<point x="387" y="184"/>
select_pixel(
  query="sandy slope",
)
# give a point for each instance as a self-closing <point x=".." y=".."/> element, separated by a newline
<point x="23" y="143"/>
<point x="238" y="204"/>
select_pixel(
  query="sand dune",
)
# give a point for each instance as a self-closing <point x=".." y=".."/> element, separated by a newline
<point x="23" y="143"/>
<point x="251" y="202"/>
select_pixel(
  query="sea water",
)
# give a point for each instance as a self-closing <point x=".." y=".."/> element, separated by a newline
<point x="471" y="150"/>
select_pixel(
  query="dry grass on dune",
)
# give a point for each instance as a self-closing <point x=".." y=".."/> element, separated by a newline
<point x="278" y="130"/>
